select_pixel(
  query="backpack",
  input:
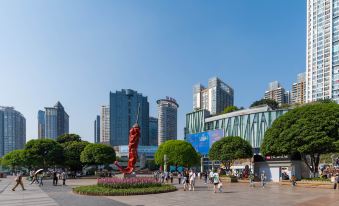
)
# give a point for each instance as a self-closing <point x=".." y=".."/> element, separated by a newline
<point x="215" y="178"/>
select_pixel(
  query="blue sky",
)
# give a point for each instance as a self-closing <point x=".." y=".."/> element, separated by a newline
<point x="77" y="51"/>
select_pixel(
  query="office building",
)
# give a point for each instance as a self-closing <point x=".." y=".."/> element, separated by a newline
<point x="97" y="129"/>
<point x="123" y="115"/>
<point x="298" y="90"/>
<point x="167" y="119"/>
<point x="277" y="92"/>
<point x="322" y="50"/>
<point x="12" y="130"/>
<point x="41" y="124"/>
<point x="214" y="98"/>
<point x="153" y="131"/>
<point x="56" y="121"/>
<point x="105" y="125"/>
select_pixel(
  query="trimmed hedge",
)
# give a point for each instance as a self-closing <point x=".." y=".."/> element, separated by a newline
<point x="96" y="190"/>
<point x="126" y="183"/>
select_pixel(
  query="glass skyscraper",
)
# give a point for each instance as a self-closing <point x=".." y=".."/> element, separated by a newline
<point x="56" y="121"/>
<point x="97" y="129"/>
<point x="167" y="119"/>
<point x="322" y="52"/>
<point x="12" y="130"/>
<point x="153" y="131"/>
<point x="123" y="113"/>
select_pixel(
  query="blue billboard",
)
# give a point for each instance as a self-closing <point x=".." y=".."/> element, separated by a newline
<point x="204" y="140"/>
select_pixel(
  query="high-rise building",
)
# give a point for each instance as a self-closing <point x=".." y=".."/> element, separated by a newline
<point x="298" y="90"/>
<point x="41" y="124"/>
<point x="153" y="131"/>
<point x="12" y="130"/>
<point x="56" y="121"/>
<point x="105" y="125"/>
<point x="123" y="115"/>
<point x="277" y="92"/>
<point x="214" y="98"/>
<point x="97" y="129"/>
<point x="167" y="119"/>
<point x="322" y="50"/>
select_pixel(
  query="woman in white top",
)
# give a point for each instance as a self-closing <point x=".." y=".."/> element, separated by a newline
<point x="216" y="181"/>
<point x="192" y="180"/>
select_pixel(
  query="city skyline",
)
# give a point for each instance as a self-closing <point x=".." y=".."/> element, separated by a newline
<point x="94" y="54"/>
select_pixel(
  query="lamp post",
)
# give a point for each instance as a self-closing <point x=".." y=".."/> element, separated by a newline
<point x="165" y="163"/>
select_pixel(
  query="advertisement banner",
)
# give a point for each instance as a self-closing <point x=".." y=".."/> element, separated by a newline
<point x="203" y="141"/>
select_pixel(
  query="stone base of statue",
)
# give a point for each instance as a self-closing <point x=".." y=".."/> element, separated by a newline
<point x="130" y="175"/>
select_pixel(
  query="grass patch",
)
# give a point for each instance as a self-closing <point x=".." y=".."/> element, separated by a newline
<point x="317" y="179"/>
<point x="97" y="190"/>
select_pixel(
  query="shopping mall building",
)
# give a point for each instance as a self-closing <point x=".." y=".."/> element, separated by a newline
<point x="202" y="130"/>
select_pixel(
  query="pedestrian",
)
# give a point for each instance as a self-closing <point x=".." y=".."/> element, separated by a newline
<point x="35" y="178"/>
<point x="192" y="177"/>
<point x="293" y="180"/>
<point x="171" y="177"/>
<point x="216" y="180"/>
<point x="205" y="177"/>
<point x="251" y="177"/>
<point x="263" y="179"/>
<point x="63" y="177"/>
<point x="179" y="177"/>
<point x="335" y="181"/>
<point x="186" y="180"/>
<point x="55" y="178"/>
<point x="211" y="176"/>
<point x="18" y="181"/>
<point x="41" y="177"/>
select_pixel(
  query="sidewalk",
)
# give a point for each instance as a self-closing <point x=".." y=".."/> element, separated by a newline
<point x="32" y="196"/>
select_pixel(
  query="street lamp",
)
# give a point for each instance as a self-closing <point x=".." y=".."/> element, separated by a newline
<point x="165" y="163"/>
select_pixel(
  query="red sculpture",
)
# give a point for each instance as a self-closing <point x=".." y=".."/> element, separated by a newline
<point x="134" y="135"/>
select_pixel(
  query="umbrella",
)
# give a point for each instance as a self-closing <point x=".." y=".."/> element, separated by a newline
<point x="38" y="171"/>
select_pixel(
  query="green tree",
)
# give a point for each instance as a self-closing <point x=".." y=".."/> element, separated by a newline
<point x="68" y="138"/>
<point x="229" y="149"/>
<point x="270" y="102"/>
<point x="230" y="109"/>
<point x="72" y="153"/>
<point x="97" y="154"/>
<point x="15" y="159"/>
<point x="310" y="130"/>
<point x="178" y="152"/>
<point x="45" y="152"/>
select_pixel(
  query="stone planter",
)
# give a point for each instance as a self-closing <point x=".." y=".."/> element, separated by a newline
<point x="229" y="179"/>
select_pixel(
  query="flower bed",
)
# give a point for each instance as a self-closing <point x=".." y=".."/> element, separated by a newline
<point x="124" y="187"/>
<point x="126" y="183"/>
<point x="97" y="190"/>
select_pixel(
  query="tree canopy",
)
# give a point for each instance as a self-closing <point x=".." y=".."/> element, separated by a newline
<point x="44" y="152"/>
<point x="178" y="152"/>
<point x="72" y="153"/>
<point x="230" y="109"/>
<point x="15" y="159"/>
<point x="68" y="138"/>
<point x="270" y="102"/>
<point x="229" y="149"/>
<point x="310" y="130"/>
<point x="98" y="154"/>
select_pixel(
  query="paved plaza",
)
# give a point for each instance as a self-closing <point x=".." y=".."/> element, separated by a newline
<point x="233" y="194"/>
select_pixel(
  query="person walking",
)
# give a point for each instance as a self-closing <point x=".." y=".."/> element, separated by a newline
<point x="186" y="180"/>
<point x="18" y="181"/>
<point x="293" y="180"/>
<point x="63" y="177"/>
<point x="263" y="179"/>
<point x="171" y="177"/>
<point x="179" y="177"/>
<point x="216" y="181"/>
<point x="192" y="177"/>
<point x="205" y="177"/>
<point x="55" y="178"/>
<point x="41" y="177"/>
<point x="251" y="177"/>
<point x="35" y="178"/>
